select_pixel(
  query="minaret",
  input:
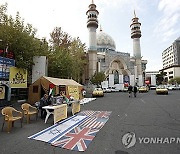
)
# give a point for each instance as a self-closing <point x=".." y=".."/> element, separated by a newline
<point x="92" y="25"/>
<point x="135" y="35"/>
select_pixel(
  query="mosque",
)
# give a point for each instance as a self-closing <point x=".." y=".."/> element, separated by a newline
<point x="119" y="67"/>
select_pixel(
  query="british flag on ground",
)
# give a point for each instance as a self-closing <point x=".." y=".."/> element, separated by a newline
<point x="77" y="139"/>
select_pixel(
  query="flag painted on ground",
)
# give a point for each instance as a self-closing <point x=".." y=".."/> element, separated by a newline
<point x="53" y="133"/>
<point x="97" y="114"/>
<point x="77" y="139"/>
<point x="93" y="122"/>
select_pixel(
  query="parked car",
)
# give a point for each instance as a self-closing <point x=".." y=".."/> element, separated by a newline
<point x="113" y="89"/>
<point x="161" y="89"/>
<point x="143" y="89"/>
<point x="97" y="92"/>
<point x="153" y="87"/>
<point x="106" y="90"/>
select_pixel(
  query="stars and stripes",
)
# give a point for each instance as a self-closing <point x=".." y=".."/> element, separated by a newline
<point x="103" y="114"/>
<point x="77" y="139"/>
<point x="93" y="122"/>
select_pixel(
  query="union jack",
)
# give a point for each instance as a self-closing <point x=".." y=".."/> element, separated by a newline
<point x="77" y="139"/>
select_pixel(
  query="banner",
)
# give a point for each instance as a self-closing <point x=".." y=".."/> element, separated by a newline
<point x="18" y="78"/>
<point x="75" y="107"/>
<point x="2" y="92"/>
<point x="5" y="64"/>
<point x="60" y="112"/>
<point x="74" y="92"/>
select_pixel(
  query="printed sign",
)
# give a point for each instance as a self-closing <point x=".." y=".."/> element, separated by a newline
<point x="74" y="92"/>
<point x="5" y="64"/>
<point x="75" y="107"/>
<point x="60" y="112"/>
<point x="18" y="78"/>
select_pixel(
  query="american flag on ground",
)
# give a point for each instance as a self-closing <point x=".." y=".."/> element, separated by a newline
<point x="77" y="139"/>
<point x="87" y="113"/>
<point x="94" y="122"/>
<point x="98" y="114"/>
<point x="103" y="114"/>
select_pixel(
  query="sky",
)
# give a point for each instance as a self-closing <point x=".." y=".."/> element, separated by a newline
<point x="160" y="22"/>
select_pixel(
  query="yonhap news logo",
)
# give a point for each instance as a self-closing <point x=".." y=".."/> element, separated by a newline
<point x="129" y="140"/>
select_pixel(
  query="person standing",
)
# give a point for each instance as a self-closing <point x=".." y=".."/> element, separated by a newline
<point x="130" y="88"/>
<point x="135" y="90"/>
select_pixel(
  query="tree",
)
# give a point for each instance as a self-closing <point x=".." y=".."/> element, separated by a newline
<point x="66" y="56"/>
<point x="20" y="39"/>
<point x="97" y="78"/>
<point x="160" y="77"/>
<point x="175" y="80"/>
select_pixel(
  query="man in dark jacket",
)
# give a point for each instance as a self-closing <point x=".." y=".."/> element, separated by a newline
<point x="135" y="91"/>
<point x="43" y="102"/>
<point x="130" y="88"/>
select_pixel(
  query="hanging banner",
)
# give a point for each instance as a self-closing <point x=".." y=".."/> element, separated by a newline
<point x="74" y="92"/>
<point x="2" y="92"/>
<point x="18" y="78"/>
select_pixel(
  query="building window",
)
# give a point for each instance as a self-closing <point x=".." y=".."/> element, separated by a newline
<point x="171" y="72"/>
<point x="116" y="77"/>
<point x="35" y="89"/>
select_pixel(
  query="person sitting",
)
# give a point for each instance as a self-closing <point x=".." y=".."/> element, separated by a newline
<point x="43" y="102"/>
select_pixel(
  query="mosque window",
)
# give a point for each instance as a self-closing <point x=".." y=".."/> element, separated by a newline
<point x="116" y="77"/>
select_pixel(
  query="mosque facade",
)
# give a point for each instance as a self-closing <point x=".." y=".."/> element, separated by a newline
<point x="119" y="67"/>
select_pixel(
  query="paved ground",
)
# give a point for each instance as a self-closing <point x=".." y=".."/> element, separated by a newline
<point x="149" y="116"/>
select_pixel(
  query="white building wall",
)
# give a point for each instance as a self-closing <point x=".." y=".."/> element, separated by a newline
<point x="177" y="72"/>
<point x="153" y="79"/>
<point x="120" y="79"/>
<point x="132" y="81"/>
<point x="140" y="80"/>
<point x="111" y="80"/>
<point x="39" y="68"/>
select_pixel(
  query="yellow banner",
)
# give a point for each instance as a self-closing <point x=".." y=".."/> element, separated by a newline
<point x="60" y="112"/>
<point x="75" y="107"/>
<point x="2" y="92"/>
<point x="74" y="92"/>
<point x="18" y="78"/>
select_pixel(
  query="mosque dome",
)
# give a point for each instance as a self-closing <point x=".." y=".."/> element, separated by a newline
<point x="105" y="42"/>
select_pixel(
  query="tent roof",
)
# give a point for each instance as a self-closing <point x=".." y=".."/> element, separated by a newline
<point x="57" y="81"/>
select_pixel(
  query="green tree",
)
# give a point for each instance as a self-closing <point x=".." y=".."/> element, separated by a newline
<point x="175" y="80"/>
<point x="97" y="78"/>
<point x="66" y="59"/>
<point x="160" y="77"/>
<point x="20" y="39"/>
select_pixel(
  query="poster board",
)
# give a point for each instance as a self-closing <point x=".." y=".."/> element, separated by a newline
<point x="74" y="92"/>
<point x="75" y="107"/>
<point x="60" y="112"/>
<point x="18" y="78"/>
<point x="2" y="92"/>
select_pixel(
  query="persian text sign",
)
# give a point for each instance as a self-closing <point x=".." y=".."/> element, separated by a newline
<point x="74" y="92"/>
<point x="60" y="112"/>
<point x="75" y="107"/>
<point x="18" y="78"/>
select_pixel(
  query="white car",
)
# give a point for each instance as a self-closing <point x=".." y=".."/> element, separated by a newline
<point x="106" y="90"/>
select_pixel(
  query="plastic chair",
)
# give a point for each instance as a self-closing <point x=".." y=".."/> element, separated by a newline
<point x="29" y="110"/>
<point x="10" y="115"/>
